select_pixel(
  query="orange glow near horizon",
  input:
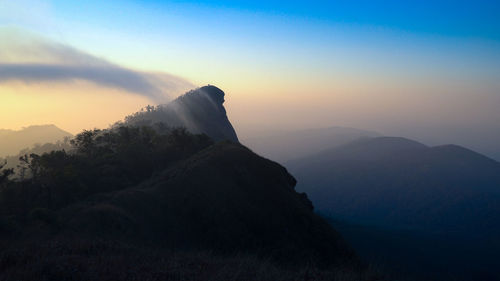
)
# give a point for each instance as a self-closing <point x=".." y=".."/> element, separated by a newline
<point x="72" y="107"/>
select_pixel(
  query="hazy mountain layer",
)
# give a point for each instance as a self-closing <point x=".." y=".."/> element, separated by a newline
<point x="397" y="182"/>
<point x="290" y="145"/>
<point x="11" y="142"/>
<point x="426" y="212"/>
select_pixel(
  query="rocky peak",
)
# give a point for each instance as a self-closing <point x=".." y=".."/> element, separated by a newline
<point x="199" y="111"/>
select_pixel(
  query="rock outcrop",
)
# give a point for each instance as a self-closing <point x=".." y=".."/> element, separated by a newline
<point x="199" y="111"/>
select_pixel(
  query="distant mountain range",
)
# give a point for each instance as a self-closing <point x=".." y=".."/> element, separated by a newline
<point x="401" y="183"/>
<point x="429" y="210"/>
<point x="288" y="145"/>
<point x="11" y="141"/>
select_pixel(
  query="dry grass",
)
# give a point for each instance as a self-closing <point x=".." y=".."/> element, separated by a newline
<point x="104" y="260"/>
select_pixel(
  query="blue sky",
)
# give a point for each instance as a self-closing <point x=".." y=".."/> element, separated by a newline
<point x="281" y="28"/>
<point x="468" y="19"/>
<point x="453" y="18"/>
<point x="372" y="64"/>
<point x="272" y="43"/>
<point x="174" y="36"/>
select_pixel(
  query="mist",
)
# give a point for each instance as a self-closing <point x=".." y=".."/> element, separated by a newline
<point x="441" y="112"/>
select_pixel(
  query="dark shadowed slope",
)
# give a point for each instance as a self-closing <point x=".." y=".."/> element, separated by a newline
<point x="401" y="183"/>
<point x="11" y="142"/>
<point x="128" y="191"/>
<point x="224" y="199"/>
<point x="290" y="145"/>
<point x="199" y="111"/>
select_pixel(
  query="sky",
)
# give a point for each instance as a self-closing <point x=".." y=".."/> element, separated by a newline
<point x="429" y="70"/>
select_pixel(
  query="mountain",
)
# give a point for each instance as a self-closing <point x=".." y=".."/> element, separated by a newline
<point x="14" y="162"/>
<point x="403" y="183"/>
<point x="133" y="192"/>
<point x="223" y="198"/>
<point x="289" y="145"/>
<point x="199" y="111"/>
<point x="11" y="142"/>
<point x="431" y="211"/>
<point x="136" y="202"/>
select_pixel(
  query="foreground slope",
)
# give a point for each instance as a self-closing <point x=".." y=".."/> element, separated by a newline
<point x="224" y="198"/>
<point x="138" y="202"/>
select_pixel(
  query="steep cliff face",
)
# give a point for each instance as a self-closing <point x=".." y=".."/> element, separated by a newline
<point x="199" y="111"/>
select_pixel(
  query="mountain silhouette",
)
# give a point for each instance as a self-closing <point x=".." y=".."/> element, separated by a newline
<point x="401" y="183"/>
<point x="224" y="198"/>
<point x="200" y="111"/>
<point x="129" y="200"/>
<point x="428" y="213"/>
<point x="11" y="141"/>
<point x="289" y="145"/>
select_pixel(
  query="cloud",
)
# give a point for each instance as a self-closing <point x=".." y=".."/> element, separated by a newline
<point x="31" y="59"/>
<point x="108" y="76"/>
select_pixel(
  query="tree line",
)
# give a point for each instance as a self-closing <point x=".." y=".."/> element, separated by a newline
<point x="98" y="161"/>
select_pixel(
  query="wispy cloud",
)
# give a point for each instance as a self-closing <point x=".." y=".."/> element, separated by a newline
<point x="108" y="76"/>
<point x="30" y="59"/>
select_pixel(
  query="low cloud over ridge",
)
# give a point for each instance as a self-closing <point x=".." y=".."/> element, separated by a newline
<point x="30" y="59"/>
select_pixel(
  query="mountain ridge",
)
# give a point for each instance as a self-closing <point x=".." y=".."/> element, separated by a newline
<point x="288" y="145"/>
<point x="393" y="167"/>
<point x="143" y="185"/>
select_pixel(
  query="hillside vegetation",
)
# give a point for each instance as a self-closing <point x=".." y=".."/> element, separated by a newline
<point x="159" y="202"/>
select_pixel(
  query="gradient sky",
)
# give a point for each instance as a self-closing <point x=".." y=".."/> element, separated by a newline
<point x="423" y="69"/>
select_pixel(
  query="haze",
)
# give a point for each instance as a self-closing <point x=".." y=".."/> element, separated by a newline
<point x="425" y="70"/>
